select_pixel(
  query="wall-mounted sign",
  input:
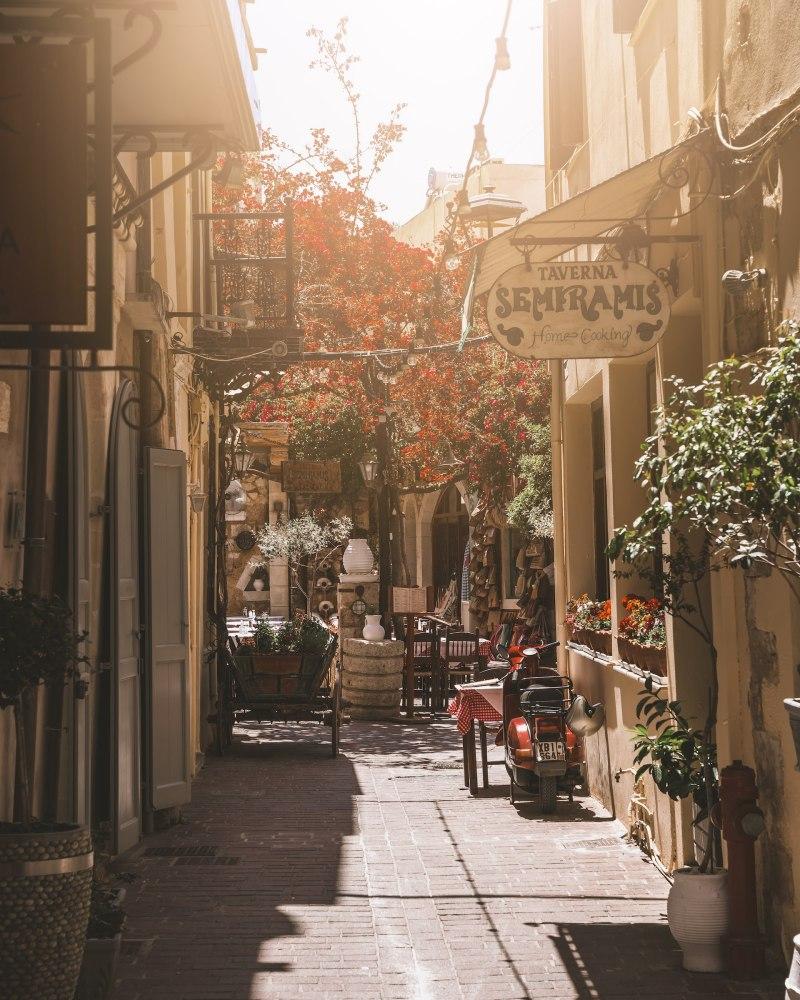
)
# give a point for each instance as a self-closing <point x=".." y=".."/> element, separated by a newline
<point x="43" y="184"/>
<point x="578" y="309"/>
<point x="312" y="477"/>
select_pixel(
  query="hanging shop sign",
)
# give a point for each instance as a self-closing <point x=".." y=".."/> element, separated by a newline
<point x="43" y="184"/>
<point x="312" y="477"/>
<point x="578" y="309"/>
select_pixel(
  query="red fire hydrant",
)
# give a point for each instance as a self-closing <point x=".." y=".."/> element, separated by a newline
<point x="742" y="822"/>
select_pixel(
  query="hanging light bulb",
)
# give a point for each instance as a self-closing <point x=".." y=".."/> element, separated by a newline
<point x="481" y="149"/>
<point x="502" y="60"/>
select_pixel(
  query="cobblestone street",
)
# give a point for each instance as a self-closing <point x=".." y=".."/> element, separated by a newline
<point x="376" y="876"/>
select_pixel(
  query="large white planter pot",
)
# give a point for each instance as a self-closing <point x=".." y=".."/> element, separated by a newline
<point x="697" y="912"/>
<point x="373" y="630"/>
<point x="793" y="979"/>
<point x="358" y="559"/>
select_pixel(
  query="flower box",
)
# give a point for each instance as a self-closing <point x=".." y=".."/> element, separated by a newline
<point x="648" y="658"/>
<point x="599" y="641"/>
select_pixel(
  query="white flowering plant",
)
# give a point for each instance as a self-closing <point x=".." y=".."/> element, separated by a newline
<point x="306" y="542"/>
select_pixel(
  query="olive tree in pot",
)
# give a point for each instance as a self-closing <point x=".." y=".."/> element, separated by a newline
<point x="45" y="868"/>
<point x="674" y="556"/>
<point x="729" y="467"/>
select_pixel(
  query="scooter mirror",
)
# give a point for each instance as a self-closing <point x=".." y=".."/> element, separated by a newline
<point x="585" y="719"/>
<point x="530" y="651"/>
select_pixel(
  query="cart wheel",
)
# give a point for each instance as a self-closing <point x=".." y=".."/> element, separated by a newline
<point x="547" y="794"/>
<point x="336" y="716"/>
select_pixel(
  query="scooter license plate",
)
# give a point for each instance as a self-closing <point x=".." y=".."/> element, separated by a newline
<point x="551" y="750"/>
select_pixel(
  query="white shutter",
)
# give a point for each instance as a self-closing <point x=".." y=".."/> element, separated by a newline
<point x="167" y="678"/>
<point x="125" y="623"/>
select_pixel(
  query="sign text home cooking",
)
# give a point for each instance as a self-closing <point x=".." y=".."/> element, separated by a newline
<point x="578" y="309"/>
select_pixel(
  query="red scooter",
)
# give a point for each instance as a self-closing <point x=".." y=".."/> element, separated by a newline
<point x="544" y="726"/>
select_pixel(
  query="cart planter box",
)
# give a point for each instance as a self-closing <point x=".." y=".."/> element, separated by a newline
<point x="270" y="673"/>
<point x="648" y="658"/>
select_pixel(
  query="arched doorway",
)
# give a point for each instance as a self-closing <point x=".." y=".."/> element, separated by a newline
<point x="449" y="531"/>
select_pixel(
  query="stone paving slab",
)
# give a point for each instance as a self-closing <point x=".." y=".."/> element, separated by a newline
<point x="376" y="876"/>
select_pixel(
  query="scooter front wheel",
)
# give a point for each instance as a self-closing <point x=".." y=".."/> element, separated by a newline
<point x="548" y="794"/>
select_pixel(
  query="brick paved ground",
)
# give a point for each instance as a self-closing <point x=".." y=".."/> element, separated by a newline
<point x="376" y="876"/>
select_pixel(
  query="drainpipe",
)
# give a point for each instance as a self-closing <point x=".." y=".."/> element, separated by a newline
<point x="559" y="535"/>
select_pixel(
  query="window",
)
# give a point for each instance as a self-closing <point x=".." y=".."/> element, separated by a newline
<point x="566" y="122"/>
<point x="602" y="578"/>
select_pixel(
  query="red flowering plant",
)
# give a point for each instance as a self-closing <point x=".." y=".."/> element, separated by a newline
<point x="450" y="414"/>
<point x="584" y="612"/>
<point x="643" y="621"/>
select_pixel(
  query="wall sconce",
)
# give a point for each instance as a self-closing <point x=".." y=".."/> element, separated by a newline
<point x="740" y="282"/>
<point x="242" y="458"/>
<point x="197" y="498"/>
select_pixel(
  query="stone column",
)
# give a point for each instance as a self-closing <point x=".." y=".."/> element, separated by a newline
<point x="353" y="587"/>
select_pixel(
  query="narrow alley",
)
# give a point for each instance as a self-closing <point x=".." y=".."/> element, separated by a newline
<point x="375" y="875"/>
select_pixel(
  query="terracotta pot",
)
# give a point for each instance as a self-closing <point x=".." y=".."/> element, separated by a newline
<point x="697" y="912"/>
<point x="600" y="642"/>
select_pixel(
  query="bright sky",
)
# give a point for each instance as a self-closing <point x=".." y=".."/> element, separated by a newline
<point x="434" y="55"/>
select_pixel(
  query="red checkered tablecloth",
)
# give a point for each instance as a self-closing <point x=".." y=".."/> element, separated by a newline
<point x="468" y="706"/>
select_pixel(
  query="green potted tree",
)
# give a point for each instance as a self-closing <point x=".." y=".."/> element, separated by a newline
<point x="45" y="867"/>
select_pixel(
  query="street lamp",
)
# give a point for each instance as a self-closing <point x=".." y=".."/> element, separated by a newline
<point x="242" y="458"/>
<point x="369" y="470"/>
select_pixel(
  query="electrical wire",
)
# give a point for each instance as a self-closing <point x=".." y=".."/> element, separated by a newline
<point x="337" y="355"/>
<point x="453" y="214"/>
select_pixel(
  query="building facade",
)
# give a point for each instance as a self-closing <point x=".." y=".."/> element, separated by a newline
<point x="636" y="97"/>
<point x="105" y="456"/>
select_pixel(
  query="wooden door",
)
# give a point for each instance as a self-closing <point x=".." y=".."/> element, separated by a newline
<point x="166" y="629"/>
<point x="125" y="623"/>
<point x="77" y="715"/>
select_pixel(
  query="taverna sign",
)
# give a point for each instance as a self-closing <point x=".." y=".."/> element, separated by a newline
<point x="578" y="309"/>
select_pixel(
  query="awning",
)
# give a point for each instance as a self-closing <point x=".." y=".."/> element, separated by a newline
<point x="593" y="213"/>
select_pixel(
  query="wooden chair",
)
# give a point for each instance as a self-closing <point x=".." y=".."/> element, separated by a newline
<point x="425" y="665"/>
<point x="462" y="659"/>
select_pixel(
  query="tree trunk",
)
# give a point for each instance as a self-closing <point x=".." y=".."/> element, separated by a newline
<point x="23" y="772"/>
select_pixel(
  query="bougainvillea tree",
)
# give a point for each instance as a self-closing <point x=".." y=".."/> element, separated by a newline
<point x="360" y="289"/>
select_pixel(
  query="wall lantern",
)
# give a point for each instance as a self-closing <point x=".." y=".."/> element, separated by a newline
<point x="369" y="470"/>
<point x="242" y="459"/>
<point x="197" y="498"/>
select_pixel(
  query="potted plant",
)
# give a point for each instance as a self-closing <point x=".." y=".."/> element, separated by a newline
<point x="642" y="637"/>
<point x="45" y="867"/>
<point x="103" y="941"/>
<point x="271" y="659"/>
<point x="589" y="623"/>
<point x="373" y="629"/>
<point x="679" y="759"/>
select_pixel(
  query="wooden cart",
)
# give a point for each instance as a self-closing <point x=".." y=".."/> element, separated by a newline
<point x="313" y="694"/>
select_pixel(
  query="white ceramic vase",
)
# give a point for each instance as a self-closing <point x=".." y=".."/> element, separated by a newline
<point x="358" y="559"/>
<point x="373" y="630"/>
<point x="793" y="979"/>
<point x="697" y="912"/>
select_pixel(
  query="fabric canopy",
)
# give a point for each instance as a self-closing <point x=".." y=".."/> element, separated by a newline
<point x="595" y="212"/>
